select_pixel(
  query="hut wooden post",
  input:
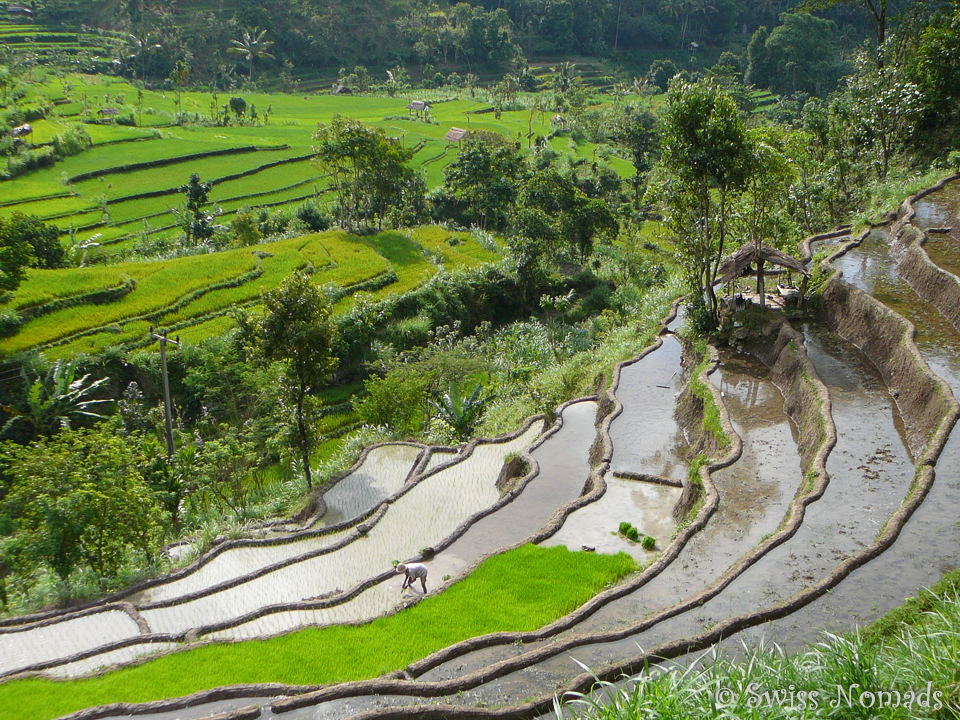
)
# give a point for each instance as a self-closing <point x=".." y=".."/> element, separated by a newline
<point x="760" y="285"/>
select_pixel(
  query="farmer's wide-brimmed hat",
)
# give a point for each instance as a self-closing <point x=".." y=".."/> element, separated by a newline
<point x="401" y="568"/>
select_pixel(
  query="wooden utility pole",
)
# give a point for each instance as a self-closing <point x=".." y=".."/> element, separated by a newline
<point x="168" y="420"/>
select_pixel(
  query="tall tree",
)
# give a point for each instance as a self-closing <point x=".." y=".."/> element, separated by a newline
<point x="887" y="107"/>
<point x="706" y="156"/>
<point x="179" y="76"/>
<point x="770" y="176"/>
<point x="194" y="217"/>
<point x="485" y="176"/>
<point x="935" y="68"/>
<point x="44" y="240"/>
<point x="560" y="219"/>
<point x="139" y="46"/>
<point x="877" y="12"/>
<point x="297" y="331"/>
<point x="801" y="54"/>
<point x="636" y="132"/>
<point x="16" y="255"/>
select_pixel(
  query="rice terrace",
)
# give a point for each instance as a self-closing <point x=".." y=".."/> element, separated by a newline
<point x="391" y="359"/>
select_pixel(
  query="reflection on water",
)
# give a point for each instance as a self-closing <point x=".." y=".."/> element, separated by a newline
<point x="646" y="436"/>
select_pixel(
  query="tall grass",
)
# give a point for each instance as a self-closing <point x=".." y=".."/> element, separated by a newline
<point x="275" y="269"/>
<point x="913" y="674"/>
<point x="338" y="258"/>
<point x="457" y="249"/>
<point x="44" y="286"/>
<point x="356" y="261"/>
<point x="898" y="185"/>
<point x="519" y="591"/>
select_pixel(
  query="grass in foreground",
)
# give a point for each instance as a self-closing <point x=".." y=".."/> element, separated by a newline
<point x="903" y="666"/>
<point x="520" y="590"/>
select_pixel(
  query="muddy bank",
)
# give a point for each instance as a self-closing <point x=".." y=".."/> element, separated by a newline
<point x="691" y="415"/>
<point x="925" y="402"/>
<point x="806" y="399"/>
<point x="932" y="283"/>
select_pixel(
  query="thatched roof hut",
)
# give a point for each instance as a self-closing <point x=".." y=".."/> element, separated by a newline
<point x="419" y="107"/>
<point x="455" y="134"/>
<point x="733" y="266"/>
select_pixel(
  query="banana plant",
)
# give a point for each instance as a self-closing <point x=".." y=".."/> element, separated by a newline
<point x="56" y="399"/>
<point x="460" y="413"/>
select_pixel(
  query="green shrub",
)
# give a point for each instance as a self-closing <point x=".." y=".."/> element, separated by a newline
<point x="245" y="228"/>
<point x="10" y="322"/>
<point x="29" y="160"/>
<point x="312" y="217"/>
<point x="72" y="141"/>
<point x="953" y="160"/>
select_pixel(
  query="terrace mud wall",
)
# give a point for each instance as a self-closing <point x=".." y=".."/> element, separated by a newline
<point x="925" y="402"/>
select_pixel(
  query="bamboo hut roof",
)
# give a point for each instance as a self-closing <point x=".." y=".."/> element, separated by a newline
<point x="418" y="105"/>
<point x="733" y="265"/>
<point x="455" y="134"/>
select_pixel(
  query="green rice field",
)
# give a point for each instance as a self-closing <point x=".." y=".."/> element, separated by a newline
<point x="65" y="196"/>
<point x="518" y="591"/>
<point x="66" y="311"/>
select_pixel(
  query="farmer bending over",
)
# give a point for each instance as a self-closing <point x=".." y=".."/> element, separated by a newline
<point x="413" y="571"/>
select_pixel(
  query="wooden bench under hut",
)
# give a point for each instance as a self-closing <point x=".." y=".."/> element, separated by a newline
<point x="739" y="264"/>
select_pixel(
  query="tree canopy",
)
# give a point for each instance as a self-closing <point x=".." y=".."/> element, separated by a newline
<point x="370" y="171"/>
<point x="296" y="330"/>
<point x="706" y="155"/>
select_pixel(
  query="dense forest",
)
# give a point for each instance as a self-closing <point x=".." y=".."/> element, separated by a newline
<point x="465" y="37"/>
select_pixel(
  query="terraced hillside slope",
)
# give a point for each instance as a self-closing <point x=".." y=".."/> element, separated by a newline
<point x="808" y="480"/>
<point x="123" y="188"/>
<point x="87" y="309"/>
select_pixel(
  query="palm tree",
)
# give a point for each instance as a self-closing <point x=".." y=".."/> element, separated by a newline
<point x="138" y="47"/>
<point x="671" y="8"/>
<point x="178" y="76"/>
<point x="251" y="46"/>
<point x="53" y="401"/>
<point x="705" y="8"/>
